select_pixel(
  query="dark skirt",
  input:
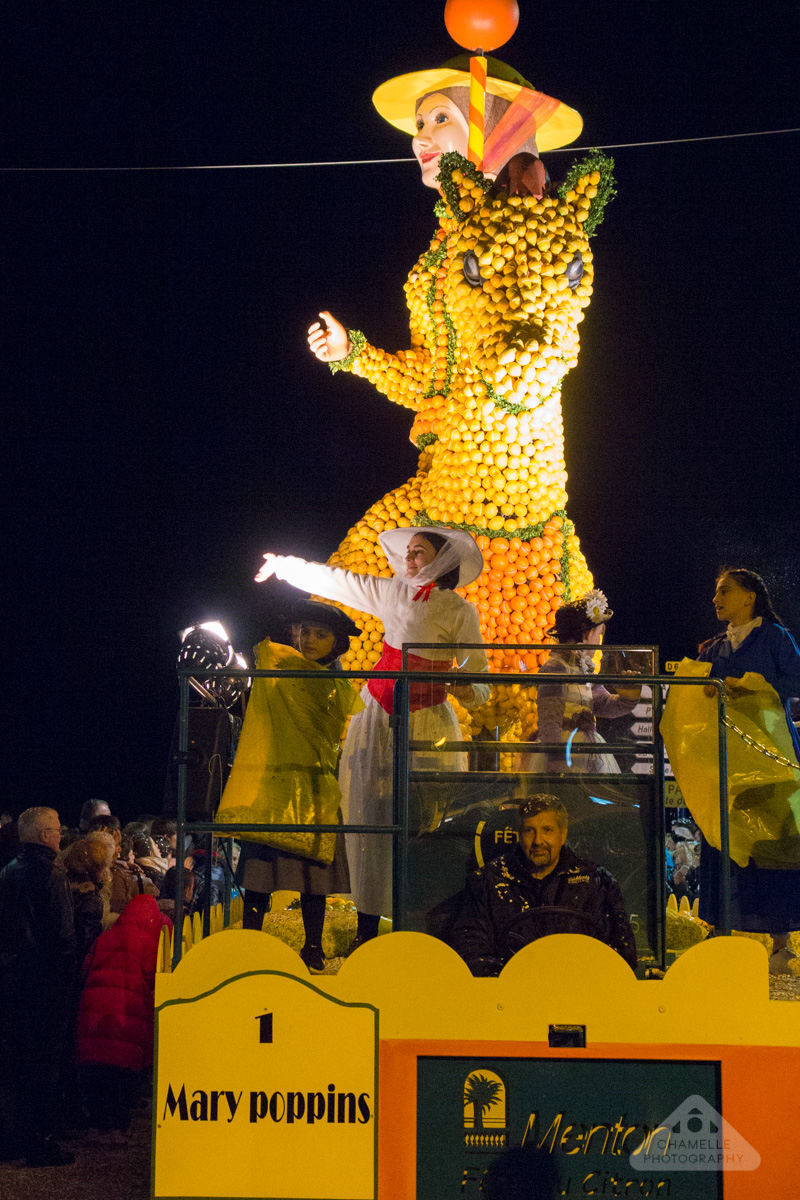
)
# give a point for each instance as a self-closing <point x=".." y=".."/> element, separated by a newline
<point x="762" y="900"/>
<point x="266" y="869"/>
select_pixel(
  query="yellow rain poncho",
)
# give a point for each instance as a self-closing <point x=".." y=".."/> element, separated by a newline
<point x="763" y="793"/>
<point x="285" y="766"/>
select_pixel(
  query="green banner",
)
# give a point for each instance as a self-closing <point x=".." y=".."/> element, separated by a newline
<point x="585" y="1117"/>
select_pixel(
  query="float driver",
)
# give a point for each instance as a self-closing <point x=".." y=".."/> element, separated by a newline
<point x="540" y="887"/>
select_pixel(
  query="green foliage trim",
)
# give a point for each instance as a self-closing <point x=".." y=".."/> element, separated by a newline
<point x="525" y="535"/>
<point x="440" y="210"/>
<point x="432" y="261"/>
<point x="507" y="405"/>
<point x="434" y="258"/>
<point x="427" y="439"/>
<point x="358" y="342"/>
<point x="566" y="529"/>
<point x="453" y="161"/>
<point x="606" y="188"/>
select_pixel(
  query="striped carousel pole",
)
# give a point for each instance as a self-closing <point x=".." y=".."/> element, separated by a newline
<point x="477" y="107"/>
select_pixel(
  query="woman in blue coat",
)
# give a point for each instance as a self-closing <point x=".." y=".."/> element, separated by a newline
<point x="762" y="900"/>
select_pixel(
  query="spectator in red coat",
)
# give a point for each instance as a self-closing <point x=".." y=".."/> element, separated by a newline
<point x="115" y="1018"/>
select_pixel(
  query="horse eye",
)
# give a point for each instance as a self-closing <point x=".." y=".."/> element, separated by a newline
<point x="472" y="271"/>
<point x="574" y="271"/>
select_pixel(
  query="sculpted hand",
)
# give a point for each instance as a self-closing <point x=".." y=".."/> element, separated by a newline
<point x="268" y="568"/>
<point x="329" y="344"/>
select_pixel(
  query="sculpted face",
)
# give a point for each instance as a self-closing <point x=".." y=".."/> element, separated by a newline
<point x="441" y="127"/>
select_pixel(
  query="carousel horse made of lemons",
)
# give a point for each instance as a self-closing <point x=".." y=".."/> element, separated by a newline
<point x="495" y="303"/>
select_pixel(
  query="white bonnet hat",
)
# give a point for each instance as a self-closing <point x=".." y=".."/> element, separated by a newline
<point x="461" y="551"/>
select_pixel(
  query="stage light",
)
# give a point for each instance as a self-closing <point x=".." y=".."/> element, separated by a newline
<point x="205" y="647"/>
<point x="239" y="660"/>
<point x="219" y="630"/>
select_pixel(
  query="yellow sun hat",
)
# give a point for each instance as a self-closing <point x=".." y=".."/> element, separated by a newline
<point x="556" y="123"/>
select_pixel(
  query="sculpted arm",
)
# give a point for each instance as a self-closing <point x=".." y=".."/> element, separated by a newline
<point x="403" y="377"/>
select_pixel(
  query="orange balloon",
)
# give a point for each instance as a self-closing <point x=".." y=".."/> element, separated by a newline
<point x="484" y="24"/>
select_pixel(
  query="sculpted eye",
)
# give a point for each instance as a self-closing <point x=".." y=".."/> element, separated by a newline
<point x="440" y="118"/>
<point x="574" y="271"/>
<point x="472" y="271"/>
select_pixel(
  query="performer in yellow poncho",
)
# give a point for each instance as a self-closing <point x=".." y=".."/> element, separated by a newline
<point x="760" y="662"/>
<point x="285" y="772"/>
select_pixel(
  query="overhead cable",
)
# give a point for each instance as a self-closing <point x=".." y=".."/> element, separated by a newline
<point x="363" y="162"/>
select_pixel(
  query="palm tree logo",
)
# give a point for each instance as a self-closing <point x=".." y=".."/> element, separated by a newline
<point x="484" y="1110"/>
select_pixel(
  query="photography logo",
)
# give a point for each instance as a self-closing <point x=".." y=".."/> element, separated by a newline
<point x="485" y="1124"/>
<point x="695" y="1137"/>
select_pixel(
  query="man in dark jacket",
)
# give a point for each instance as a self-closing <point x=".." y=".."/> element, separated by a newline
<point x="37" y="972"/>
<point x="539" y="888"/>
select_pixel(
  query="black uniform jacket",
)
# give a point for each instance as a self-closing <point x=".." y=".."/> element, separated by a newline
<point x="37" y="934"/>
<point x="505" y="908"/>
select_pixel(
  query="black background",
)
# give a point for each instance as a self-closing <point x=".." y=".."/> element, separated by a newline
<point x="166" y="423"/>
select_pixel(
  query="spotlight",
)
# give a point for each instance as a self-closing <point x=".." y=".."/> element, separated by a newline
<point x="207" y="647"/>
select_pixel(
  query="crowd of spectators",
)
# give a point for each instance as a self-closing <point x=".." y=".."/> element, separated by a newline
<point x="81" y="912"/>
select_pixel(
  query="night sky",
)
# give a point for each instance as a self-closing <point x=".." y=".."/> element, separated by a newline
<point x="167" y="424"/>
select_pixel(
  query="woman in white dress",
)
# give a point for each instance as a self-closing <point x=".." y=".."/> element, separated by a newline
<point x="417" y="605"/>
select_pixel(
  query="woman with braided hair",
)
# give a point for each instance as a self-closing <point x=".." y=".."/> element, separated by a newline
<point x="763" y="900"/>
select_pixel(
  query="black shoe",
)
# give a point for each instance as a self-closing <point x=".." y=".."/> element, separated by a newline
<point x="314" y="959"/>
<point x="49" y="1154"/>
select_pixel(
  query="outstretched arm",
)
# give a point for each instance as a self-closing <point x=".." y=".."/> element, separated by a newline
<point x="403" y="377"/>
<point x="367" y="593"/>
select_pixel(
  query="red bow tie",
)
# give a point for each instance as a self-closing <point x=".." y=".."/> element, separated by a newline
<point x="425" y="590"/>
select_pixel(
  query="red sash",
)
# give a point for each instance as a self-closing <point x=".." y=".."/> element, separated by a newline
<point x="421" y="695"/>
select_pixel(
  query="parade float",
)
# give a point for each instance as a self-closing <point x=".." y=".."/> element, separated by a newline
<point x="402" y="1075"/>
<point x="495" y="302"/>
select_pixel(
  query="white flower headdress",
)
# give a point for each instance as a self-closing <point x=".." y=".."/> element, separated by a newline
<point x="596" y="607"/>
